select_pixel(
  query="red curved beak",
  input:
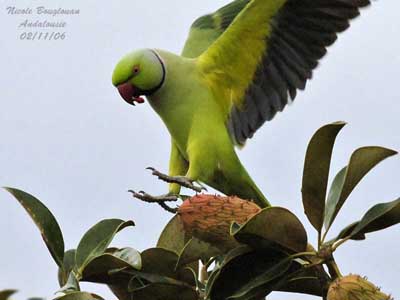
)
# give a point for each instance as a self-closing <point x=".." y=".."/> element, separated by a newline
<point x="129" y="93"/>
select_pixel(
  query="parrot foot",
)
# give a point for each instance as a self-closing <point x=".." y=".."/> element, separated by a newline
<point x="181" y="180"/>
<point x="160" y="200"/>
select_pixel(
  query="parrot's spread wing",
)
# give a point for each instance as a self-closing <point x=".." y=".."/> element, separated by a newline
<point x="206" y="29"/>
<point x="257" y="54"/>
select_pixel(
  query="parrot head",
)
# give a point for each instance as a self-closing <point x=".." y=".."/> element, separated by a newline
<point x="140" y="73"/>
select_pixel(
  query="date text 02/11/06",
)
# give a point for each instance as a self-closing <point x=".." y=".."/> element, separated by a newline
<point x="42" y="36"/>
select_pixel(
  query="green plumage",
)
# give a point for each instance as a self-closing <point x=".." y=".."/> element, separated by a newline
<point x="239" y="67"/>
<point x="202" y="148"/>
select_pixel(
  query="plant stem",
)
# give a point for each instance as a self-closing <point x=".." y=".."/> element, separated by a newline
<point x="203" y="272"/>
<point x="337" y="244"/>
<point x="319" y="240"/>
<point x="333" y="269"/>
<point x="300" y="254"/>
<point x="324" y="237"/>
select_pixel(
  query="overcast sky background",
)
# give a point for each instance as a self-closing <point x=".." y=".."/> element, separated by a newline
<point x="68" y="138"/>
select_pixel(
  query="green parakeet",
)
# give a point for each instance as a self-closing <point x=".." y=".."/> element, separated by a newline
<point x="240" y="66"/>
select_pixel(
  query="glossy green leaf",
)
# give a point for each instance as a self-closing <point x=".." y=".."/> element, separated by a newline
<point x="304" y="280"/>
<point x="71" y="286"/>
<point x="45" y="221"/>
<point x="379" y="217"/>
<point x="68" y="266"/>
<point x="273" y="227"/>
<point x="156" y="278"/>
<point x="196" y="249"/>
<point x="163" y="262"/>
<point x="345" y="232"/>
<point x="118" y="280"/>
<point x="303" y="285"/>
<point x="160" y="261"/>
<point x="240" y="270"/>
<point x="100" y="268"/>
<point x="231" y="255"/>
<point x="334" y="195"/>
<point x="316" y="172"/>
<point x="120" y="290"/>
<point x="80" y="296"/>
<point x="131" y="256"/>
<point x="310" y="285"/>
<point x="263" y="283"/>
<point x="361" y="162"/>
<point x="174" y="236"/>
<point x="162" y="291"/>
<point x="6" y="294"/>
<point x="97" y="239"/>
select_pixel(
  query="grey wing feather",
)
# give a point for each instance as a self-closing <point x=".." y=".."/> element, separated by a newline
<point x="301" y="32"/>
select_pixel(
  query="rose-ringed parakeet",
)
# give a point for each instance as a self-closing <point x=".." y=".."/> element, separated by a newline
<point x="240" y="66"/>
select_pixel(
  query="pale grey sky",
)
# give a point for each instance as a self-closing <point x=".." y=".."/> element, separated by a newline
<point x="68" y="138"/>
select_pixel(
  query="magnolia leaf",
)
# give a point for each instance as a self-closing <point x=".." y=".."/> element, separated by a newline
<point x="159" y="261"/>
<point x="379" y="217"/>
<point x="163" y="262"/>
<point x="79" y="296"/>
<point x="162" y="291"/>
<point x="173" y="237"/>
<point x="334" y="195"/>
<point x="262" y="284"/>
<point x="273" y="227"/>
<point x="303" y="285"/>
<point x="196" y="249"/>
<point x="45" y="221"/>
<point x="347" y="232"/>
<point x="6" y="294"/>
<point x="231" y="255"/>
<point x="361" y="162"/>
<point x="156" y="278"/>
<point x="316" y="172"/>
<point x="100" y="269"/>
<point x="71" y="286"/>
<point x="68" y="266"/>
<point x="304" y="279"/>
<point x="146" y="285"/>
<point x="130" y="256"/>
<point x="120" y="290"/>
<point x="240" y="270"/>
<point x="97" y="239"/>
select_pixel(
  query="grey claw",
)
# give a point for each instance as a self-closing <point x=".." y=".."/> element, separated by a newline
<point x="203" y="188"/>
<point x="160" y="200"/>
<point x="181" y="180"/>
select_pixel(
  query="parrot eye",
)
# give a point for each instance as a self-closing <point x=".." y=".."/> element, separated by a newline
<point x="136" y="70"/>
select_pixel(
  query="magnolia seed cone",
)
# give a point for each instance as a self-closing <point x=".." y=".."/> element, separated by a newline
<point x="209" y="217"/>
<point x="355" y="287"/>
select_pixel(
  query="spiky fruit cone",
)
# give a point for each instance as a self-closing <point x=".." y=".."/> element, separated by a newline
<point x="209" y="217"/>
<point x="355" y="287"/>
